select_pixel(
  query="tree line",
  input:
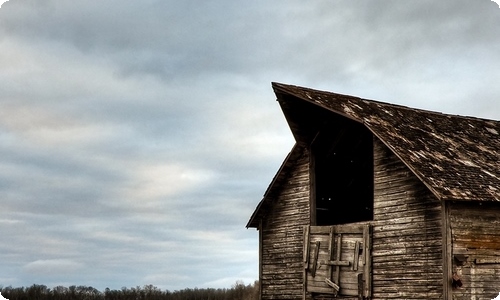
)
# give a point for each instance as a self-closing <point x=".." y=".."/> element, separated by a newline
<point x="238" y="291"/>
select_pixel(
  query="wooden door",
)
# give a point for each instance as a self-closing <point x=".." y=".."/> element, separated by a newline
<point x="337" y="261"/>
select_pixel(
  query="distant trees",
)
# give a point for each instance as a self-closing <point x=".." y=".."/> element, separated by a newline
<point x="244" y="292"/>
<point x="239" y="291"/>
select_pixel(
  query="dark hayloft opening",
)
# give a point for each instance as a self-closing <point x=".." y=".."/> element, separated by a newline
<point x="343" y="172"/>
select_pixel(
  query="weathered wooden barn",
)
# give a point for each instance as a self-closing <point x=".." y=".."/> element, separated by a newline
<point x="380" y="201"/>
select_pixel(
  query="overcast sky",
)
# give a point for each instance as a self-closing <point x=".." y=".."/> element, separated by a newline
<point x="137" y="137"/>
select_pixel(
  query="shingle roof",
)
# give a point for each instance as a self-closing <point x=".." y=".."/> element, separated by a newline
<point x="456" y="157"/>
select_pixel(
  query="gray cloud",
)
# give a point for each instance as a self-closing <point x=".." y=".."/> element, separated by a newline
<point x="136" y="138"/>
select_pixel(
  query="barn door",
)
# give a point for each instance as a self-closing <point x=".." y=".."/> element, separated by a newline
<point x="337" y="261"/>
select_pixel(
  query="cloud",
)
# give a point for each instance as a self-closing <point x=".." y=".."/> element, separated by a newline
<point x="51" y="267"/>
<point x="146" y="132"/>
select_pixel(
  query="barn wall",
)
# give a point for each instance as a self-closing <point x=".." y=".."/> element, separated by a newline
<point x="407" y="238"/>
<point x="282" y="236"/>
<point x="475" y="230"/>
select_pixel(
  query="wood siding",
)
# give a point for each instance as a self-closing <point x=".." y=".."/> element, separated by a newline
<point x="407" y="238"/>
<point x="282" y="236"/>
<point x="475" y="230"/>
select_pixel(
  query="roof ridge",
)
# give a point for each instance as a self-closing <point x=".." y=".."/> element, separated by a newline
<point x="286" y="88"/>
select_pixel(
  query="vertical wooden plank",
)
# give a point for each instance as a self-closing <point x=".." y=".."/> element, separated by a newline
<point x="315" y="259"/>
<point x="331" y="242"/>
<point x="355" y="261"/>
<point x="306" y="246"/>
<point x="447" y="250"/>
<point x="339" y="251"/>
<point x="312" y="188"/>
<point x="367" y="250"/>
<point x="307" y="241"/>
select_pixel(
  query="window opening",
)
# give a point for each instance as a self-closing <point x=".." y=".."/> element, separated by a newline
<point x="343" y="166"/>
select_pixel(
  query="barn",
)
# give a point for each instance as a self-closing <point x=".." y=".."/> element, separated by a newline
<point x="380" y="201"/>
